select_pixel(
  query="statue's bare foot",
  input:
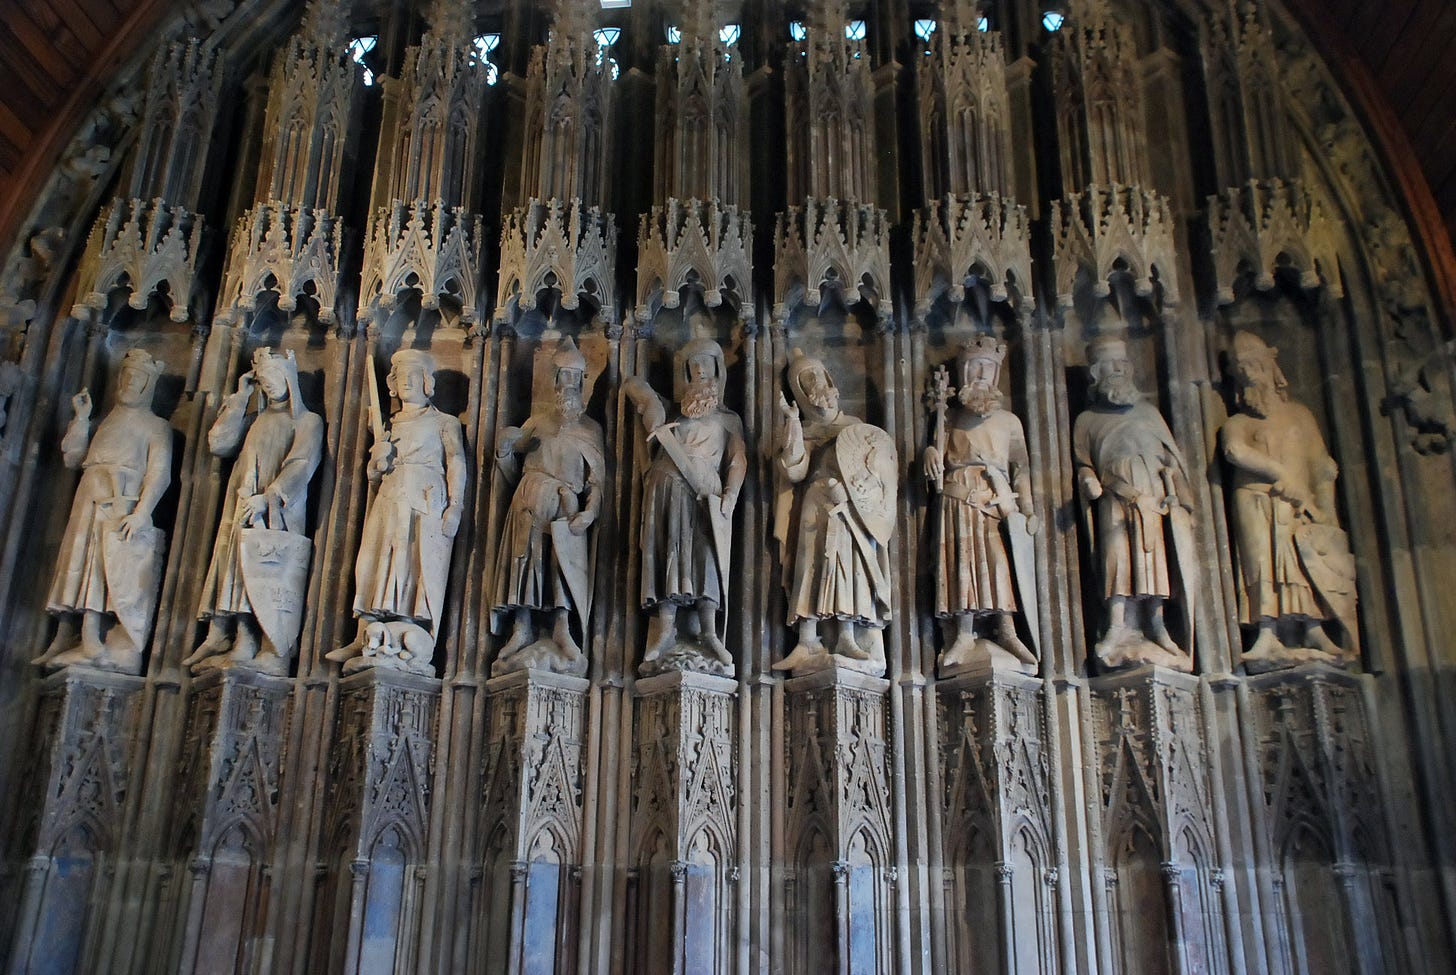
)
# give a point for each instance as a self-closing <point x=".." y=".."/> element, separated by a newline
<point x="715" y="646"/>
<point x="348" y="652"/>
<point x="561" y="636"/>
<point x="1318" y="639"/>
<point x="77" y="655"/>
<point x="66" y="639"/>
<point x="961" y="648"/>
<point x="847" y="646"/>
<point x="522" y="635"/>
<point x="121" y="660"/>
<point x="1266" y="647"/>
<point x="268" y="662"/>
<point x="1114" y="644"/>
<point x="804" y="654"/>
<point x="661" y="632"/>
<point x="217" y="642"/>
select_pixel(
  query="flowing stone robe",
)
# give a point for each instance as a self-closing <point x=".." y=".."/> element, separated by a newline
<point x="568" y="461"/>
<point x="130" y="452"/>
<point x="279" y="454"/>
<point x="839" y="571"/>
<point x="974" y="571"/>
<point x="404" y="554"/>
<point x="679" y="564"/>
<point x="1134" y="447"/>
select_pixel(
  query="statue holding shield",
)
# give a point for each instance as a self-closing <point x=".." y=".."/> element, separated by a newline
<point x="253" y="595"/>
<point x="977" y="462"/>
<point x="419" y="467"/>
<point x="544" y="562"/>
<point x="834" y="531"/>
<point x="109" y="568"/>
<point x="688" y="496"/>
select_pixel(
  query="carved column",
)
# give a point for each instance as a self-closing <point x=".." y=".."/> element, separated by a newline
<point x="527" y="914"/>
<point x="683" y="885"/>
<point x="227" y="815"/>
<point x="80" y="771"/>
<point x="1321" y="820"/>
<point x="375" y="820"/>
<point x="1002" y="854"/>
<point x="838" y="850"/>
<point x="1156" y="818"/>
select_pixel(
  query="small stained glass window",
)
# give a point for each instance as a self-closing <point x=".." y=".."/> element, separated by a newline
<point x="1052" y="20"/>
<point x="360" y="47"/>
<point x="730" y="34"/>
<point x="484" y="45"/>
<point x="797" y="30"/>
<point x="606" y="36"/>
<point x="855" y="30"/>
<point x="674" y="34"/>
<point x="983" y="23"/>
<point x="924" y="29"/>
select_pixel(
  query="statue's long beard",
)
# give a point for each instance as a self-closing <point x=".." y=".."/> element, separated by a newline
<point x="1260" y="399"/>
<point x="981" y="400"/>
<point x="700" y="399"/>
<point x="824" y="399"/>
<point x="1119" y="390"/>
<point x="569" y="404"/>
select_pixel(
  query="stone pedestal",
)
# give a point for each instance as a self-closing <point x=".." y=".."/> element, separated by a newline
<point x="376" y="814"/>
<point x="79" y="774"/>
<point x="838" y="851"/>
<point x="1322" y="830"/>
<point x="531" y="823"/>
<point x="1156" y="823"/>
<point x="1001" y="857"/>
<point x="684" y="831"/>
<point x="227" y="814"/>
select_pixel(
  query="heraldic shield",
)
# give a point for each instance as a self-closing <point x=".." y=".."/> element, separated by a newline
<point x="1324" y="551"/>
<point x="870" y="466"/>
<point x="133" y="578"/>
<point x="275" y="576"/>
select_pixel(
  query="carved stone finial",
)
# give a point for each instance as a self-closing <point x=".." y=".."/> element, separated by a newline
<point x="326" y="23"/>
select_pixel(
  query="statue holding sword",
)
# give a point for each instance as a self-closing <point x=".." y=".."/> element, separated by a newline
<point x="977" y="462"/>
<point x="689" y="494"/>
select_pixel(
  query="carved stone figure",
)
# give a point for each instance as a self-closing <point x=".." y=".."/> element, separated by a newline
<point x="109" y="569"/>
<point x="253" y="596"/>
<point x="688" y="496"/>
<point x="1132" y="477"/>
<point x="1296" y="571"/>
<point x="419" y="466"/>
<point x="978" y="463"/>
<point x="544" y="562"/>
<point x="834" y="531"/>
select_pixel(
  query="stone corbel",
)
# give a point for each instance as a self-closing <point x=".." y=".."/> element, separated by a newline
<point x="561" y="245"/>
<point x="285" y="248"/>
<point x="691" y="243"/>
<point x="972" y="233"/>
<point x="1266" y="223"/>
<point x="830" y="243"/>
<point x="139" y="246"/>
<point x="1096" y="229"/>
<point x="432" y="248"/>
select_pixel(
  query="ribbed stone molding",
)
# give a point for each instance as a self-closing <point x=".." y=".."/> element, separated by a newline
<point x="1267" y="224"/>
<point x="431" y="248"/>
<point x="561" y="245"/>
<point x="699" y="243"/>
<point x="285" y="248"/>
<point x="139" y="246"/>
<point x="836" y="244"/>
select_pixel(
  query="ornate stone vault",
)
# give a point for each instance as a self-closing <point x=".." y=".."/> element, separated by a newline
<point x="994" y="515"/>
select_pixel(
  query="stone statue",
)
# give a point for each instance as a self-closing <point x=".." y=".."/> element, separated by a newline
<point x="419" y="466"/>
<point x="1132" y="477"/>
<point x="834" y="531"/>
<point x="544" y="561"/>
<point x="688" y="497"/>
<point x="253" y="596"/>
<point x="977" y="462"/>
<point x="109" y="569"/>
<point x="1296" y="571"/>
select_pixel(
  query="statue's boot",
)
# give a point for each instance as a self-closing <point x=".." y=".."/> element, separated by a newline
<point x="89" y="649"/>
<point x="217" y="642"/>
<point x="245" y="645"/>
<point x="523" y="634"/>
<point x="342" y="655"/>
<point x="118" y="653"/>
<point x="807" y="650"/>
<point x="708" y="631"/>
<point x="661" y="632"/>
<point x="1158" y="630"/>
<point x="269" y="661"/>
<point x="67" y="638"/>
<point x="1011" y="643"/>
<point x="561" y="636"/>
<point x="963" y="647"/>
<point x="847" y="646"/>
<point x="1318" y="639"/>
<point x="1267" y="648"/>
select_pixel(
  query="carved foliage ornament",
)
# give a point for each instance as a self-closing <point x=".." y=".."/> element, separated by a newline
<point x="695" y="242"/>
<point x="1267" y="224"/>
<point x="963" y="235"/>
<point x="1096" y="230"/>
<point x="140" y="247"/>
<point x="431" y="248"/>
<point x="288" y="249"/>
<point x="828" y="244"/>
<point x="560" y="245"/>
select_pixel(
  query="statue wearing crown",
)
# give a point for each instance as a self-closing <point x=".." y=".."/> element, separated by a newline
<point x="977" y="462"/>
<point x="109" y="567"/>
<point x="253" y="595"/>
<point x="688" y="495"/>
<point x="833" y="519"/>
